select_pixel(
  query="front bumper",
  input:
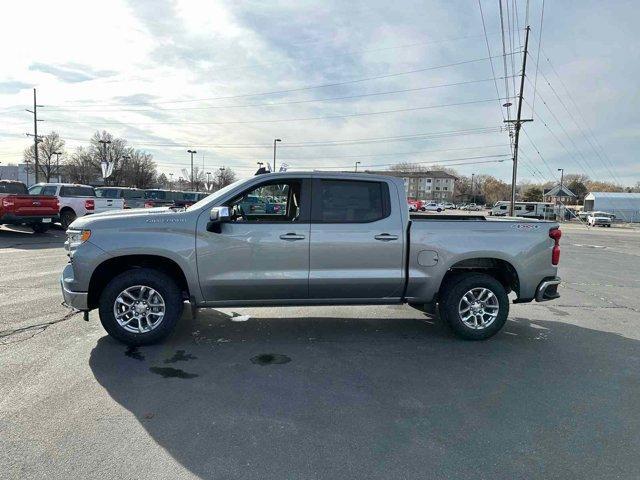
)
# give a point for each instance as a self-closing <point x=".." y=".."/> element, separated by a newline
<point x="548" y="289"/>
<point x="77" y="300"/>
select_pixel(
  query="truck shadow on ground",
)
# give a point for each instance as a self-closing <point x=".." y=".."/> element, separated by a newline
<point x="383" y="398"/>
<point x="23" y="238"/>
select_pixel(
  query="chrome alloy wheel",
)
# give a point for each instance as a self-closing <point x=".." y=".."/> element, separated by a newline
<point x="139" y="309"/>
<point x="478" y="308"/>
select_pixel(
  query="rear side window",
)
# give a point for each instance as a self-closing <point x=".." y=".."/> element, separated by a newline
<point x="7" y="187"/>
<point x="345" y="201"/>
<point x="74" y="191"/>
<point x="132" y="193"/>
<point x="49" y="190"/>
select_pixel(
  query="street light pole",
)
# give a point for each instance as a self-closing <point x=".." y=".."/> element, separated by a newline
<point x="473" y="193"/>
<point x="274" y="152"/>
<point x="171" y="181"/>
<point x="208" y="180"/>
<point x="57" y="154"/>
<point x="561" y="170"/>
<point x="222" y="169"/>
<point x="357" y="163"/>
<point x="192" y="152"/>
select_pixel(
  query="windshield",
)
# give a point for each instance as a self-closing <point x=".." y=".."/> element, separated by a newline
<point x="216" y="195"/>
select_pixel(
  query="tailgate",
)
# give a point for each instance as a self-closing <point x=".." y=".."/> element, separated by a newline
<point x="107" y="204"/>
<point x="35" y="205"/>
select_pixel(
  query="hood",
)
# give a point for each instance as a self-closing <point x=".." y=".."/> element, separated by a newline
<point x="117" y="217"/>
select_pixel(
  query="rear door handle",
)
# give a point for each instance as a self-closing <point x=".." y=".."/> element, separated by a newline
<point x="291" y="236"/>
<point x="386" y="237"/>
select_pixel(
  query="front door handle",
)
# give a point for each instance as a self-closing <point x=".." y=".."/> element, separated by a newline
<point x="386" y="237"/>
<point x="291" y="236"/>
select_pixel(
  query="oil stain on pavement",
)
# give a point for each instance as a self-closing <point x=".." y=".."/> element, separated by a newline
<point x="270" y="358"/>
<point x="169" y="372"/>
<point x="180" y="356"/>
<point x="133" y="352"/>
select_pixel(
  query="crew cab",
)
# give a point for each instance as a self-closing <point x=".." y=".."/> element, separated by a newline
<point x="76" y="200"/>
<point x="17" y="207"/>
<point x="339" y="239"/>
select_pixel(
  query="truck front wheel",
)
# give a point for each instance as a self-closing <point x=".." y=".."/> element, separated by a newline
<point x="474" y="305"/>
<point x="140" y="306"/>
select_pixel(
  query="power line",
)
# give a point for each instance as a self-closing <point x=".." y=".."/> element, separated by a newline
<point x="282" y="120"/>
<point x="323" y="143"/>
<point x="290" y="90"/>
<point x="271" y="104"/>
<point x="493" y="72"/>
<point x="535" y="83"/>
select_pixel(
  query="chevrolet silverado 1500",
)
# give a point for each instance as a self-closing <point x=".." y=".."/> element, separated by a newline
<point x="336" y="239"/>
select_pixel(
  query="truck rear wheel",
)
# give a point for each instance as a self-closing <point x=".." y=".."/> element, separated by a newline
<point x="67" y="217"/>
<point x="140" y="306"/>
<point x="474" y="305"/>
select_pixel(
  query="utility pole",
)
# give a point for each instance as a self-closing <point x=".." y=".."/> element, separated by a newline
<point x="274" y="152"/>
<point x="357" y="163"/>
<point x="192" y="152"/>
<point x="518" y="124"/>
<point x="36" y="139"/>
<point x="171" y="181"/>
<point x="473" y="193"/>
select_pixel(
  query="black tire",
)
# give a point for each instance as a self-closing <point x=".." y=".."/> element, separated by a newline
<point x="439" y="210"/>
<point x="160" y="282"/>
<point x="66" y="218"/>
<point x="451" y="295"/>
<point x="39" y="227"/>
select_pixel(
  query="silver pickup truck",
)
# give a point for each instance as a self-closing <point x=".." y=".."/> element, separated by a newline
<point x="322" y="239"/>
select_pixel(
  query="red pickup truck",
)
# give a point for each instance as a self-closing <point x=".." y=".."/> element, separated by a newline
<point x="17" y="207"/>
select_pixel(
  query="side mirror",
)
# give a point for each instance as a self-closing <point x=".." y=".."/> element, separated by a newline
<point x="217" y="216"/>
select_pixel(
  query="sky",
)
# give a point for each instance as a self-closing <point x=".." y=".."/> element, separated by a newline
<point x="339" y="82"/>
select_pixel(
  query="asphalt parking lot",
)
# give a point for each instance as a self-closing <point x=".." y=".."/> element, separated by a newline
<point x="348" y="392"/>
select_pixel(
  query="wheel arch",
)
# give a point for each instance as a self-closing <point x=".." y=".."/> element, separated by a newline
<point x="500" y="269"/>
<point x="111" y="267"/>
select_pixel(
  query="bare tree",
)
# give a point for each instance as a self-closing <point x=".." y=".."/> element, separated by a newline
<point x="48" y="148"/>
<point x="225" y="176"/>
<point x="137" y="169"/>
<point x="80" y="167"/>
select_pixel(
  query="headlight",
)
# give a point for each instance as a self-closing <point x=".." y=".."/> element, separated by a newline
<point x="75" y="238"/>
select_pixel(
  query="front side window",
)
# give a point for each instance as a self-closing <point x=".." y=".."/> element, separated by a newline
<point x="351" y="201"/>
<point x="276" y="202"/>
<point x="133" y="194"/>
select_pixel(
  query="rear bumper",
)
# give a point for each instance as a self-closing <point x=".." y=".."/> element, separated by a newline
<point x="548" y="289"/>
<point x="77" y="300"/>
<point x="11" y="219"/>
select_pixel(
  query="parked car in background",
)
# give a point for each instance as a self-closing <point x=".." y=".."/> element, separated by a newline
<point x="160" y="198"/>
<point x="434" y="207"/>
<point x="449" y="206"/>
<point x="76" y="200"/>
<point x="602" y="219"/>
<point x="472" y="207"/>
<point x="415" y="205"/>
<point x="132" y="197"/>
<point x="341" y="239"/>
<point x="186" y="199"/>
<point x="18" y="207"/>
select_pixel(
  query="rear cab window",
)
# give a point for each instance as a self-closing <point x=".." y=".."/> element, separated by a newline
<point x="13" y="188"/>
<point x="108" y="192"/>
<point x="77" y="191"/>
<point x="350" y="201"/>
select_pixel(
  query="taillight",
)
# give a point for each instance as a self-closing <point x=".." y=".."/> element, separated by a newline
<point x="148" y="204"/>
<point x="8" y="202"/>
<point x="555" y="234"/>
<point x="89" y="204"/>
<point x="124" y="204"/>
